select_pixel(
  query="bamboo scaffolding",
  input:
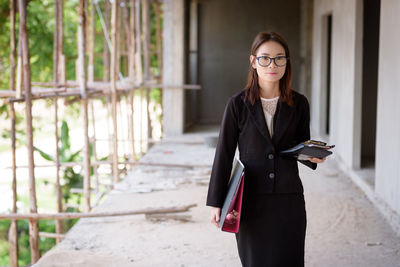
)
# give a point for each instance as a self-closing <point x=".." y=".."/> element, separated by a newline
<point x="33" y="225"/>
<point x="157" y="12"/>
<point x="114" y="63"/>
<point x="146" y="60"/>
<point x="19" y="67"/>
<point x="134" y="54"/>
<point x="121" y="126"/>
<point x="104" y="87"/>
<point x="84" y="100"/>
<point x="132" y="70"/>
<point x="90" y="43"/>
<point x="91" y="26"/>
<point x="59" y="224"/>
<point x="131" y="55"/>
<point x="94" y="145"/>
<point x="139" y="68"/>
<point x="58" y="77"/>
<point x="13" y="231"/>
<point x="72" y="164"/>
<point x="52" y="235"/>
<point x="106" y="52"/>
<point x="131" y="120"/>
<point x="76" y="215"/>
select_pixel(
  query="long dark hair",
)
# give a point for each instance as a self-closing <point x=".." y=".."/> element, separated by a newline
<point x="252" y="87"/>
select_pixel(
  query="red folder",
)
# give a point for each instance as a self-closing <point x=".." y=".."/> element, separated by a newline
<point x="230" y="213"/>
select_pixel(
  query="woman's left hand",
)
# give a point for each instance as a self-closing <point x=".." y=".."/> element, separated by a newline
<point x="317" y="160"/>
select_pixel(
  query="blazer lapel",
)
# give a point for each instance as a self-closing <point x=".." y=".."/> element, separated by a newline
<point x="282" y="119"/>
<point x="257" y="114"/>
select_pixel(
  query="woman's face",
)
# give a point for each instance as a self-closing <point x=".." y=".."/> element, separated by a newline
<point x="272" y="72"/>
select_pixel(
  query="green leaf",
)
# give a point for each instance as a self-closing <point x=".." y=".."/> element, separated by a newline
<point x="75" y="156"/>
<point x="65" y="142"/>
<point x="44" y="154"/>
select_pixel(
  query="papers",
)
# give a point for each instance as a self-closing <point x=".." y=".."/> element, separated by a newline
<point x="310" y="148"/>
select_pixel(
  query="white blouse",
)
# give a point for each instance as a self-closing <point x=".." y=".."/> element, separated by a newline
<point x="269" y="108"/>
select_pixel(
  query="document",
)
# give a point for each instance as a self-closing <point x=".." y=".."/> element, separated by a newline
<point x="310" y="148"/>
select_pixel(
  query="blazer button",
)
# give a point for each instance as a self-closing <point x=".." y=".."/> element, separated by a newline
<point x="271" y="175"/>
<point x="270" y="156"/>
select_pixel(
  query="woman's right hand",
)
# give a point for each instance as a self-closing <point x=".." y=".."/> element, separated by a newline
<point x="215" y="216"/>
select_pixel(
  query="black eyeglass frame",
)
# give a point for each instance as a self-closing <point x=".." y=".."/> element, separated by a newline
<point x="271" y="59"/>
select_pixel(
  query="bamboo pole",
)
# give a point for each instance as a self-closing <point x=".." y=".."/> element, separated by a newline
<point x="157" y="12"/>
<point x="57" y="53"/>
<point x="76" y="215"/>
<point x="139" y="68"/>
<point x="132" y="41"/>
<point x="106" y="55"/>
<point x="114" y="75"/>
<point x="122" y="126"/>
<point x="122" y="39"/>
<point x="84" y="100"/>
<point x="91" y="27"/>
<point x="131" y="125"/>
<point x="59" y="224"/>
<point x="110" y="138"/>
<point x="106" y="162"/>
<point x="33" y="224"/>
<point x="61" y="59"/>
<point x="132" y="70"/>
<point x="91" y="79"/>
<point x="19" y="68"/>
<point x="13" y="231"/>
<point x="52" y="235"/>
<point x="138" y="52"/>
<point x="96" y="174"/>
<point x="146" y="60"/>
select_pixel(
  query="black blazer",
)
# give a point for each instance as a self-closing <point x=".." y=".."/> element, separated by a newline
<point x="243" y="124"/>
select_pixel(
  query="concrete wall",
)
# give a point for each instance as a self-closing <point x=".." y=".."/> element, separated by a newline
<point x="387" y="183"/>
<point x="226" y="32"/>
<point x="348" y="73"/>
<point x="345" y="85"/>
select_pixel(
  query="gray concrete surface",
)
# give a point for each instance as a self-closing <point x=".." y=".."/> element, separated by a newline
<point x="344" y="228"/>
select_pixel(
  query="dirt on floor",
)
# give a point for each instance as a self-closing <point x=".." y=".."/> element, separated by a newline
<point x="343" y="227"/>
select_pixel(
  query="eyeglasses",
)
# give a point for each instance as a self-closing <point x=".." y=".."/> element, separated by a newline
<point x="279" y="61"/>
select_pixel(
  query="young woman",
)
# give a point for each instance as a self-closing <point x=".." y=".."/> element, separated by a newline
<point x="262" y="120"/>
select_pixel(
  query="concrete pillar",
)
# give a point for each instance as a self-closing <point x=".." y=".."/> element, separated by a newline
<point x="173" y="67"/>
<point x="387" y="181"/>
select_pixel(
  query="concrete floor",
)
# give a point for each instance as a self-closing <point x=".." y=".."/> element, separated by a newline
<point x="343" y="227"/>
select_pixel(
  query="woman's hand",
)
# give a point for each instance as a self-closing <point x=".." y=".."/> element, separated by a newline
<point x="317" y="160"/>
<point x="215" y="216"/>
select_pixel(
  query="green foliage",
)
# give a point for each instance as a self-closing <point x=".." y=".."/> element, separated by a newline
<point x="45" y="244"/>
<point x="40" y="25"/>
<point x="71" y="178"/>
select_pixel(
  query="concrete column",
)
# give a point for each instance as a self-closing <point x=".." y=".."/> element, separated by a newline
<point x="173" y="67"/>
<point x="387" y="181"/>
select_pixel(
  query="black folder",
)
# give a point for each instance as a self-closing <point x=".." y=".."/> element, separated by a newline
<point x="232" y="193"/>
<point x="310" y="148"/>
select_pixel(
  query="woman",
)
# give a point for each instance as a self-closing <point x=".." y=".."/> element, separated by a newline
<point x="264" y="119"/>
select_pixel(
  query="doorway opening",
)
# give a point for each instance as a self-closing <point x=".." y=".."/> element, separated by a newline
<point x="327" y="95"/>
<point x="369" y="84"/>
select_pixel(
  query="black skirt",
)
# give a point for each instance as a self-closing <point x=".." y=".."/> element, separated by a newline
<point x="272" y="230"/>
